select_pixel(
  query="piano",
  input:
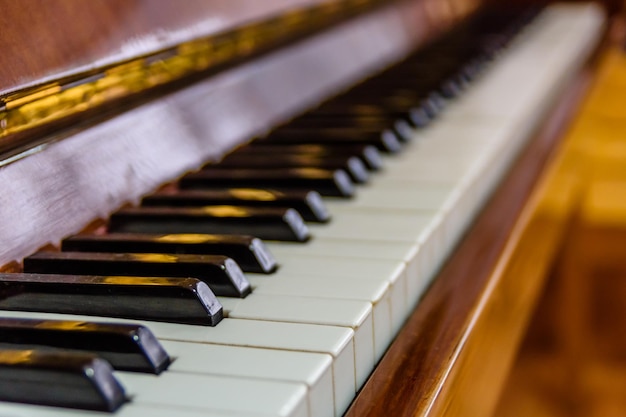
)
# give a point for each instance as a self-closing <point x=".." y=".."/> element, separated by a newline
<point x="386" y="153"/>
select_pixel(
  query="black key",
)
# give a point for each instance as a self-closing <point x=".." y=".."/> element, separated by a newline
<point x="126" y="347"/>
<point x="249" y="252"/>
<point x="417" y="114"/>
<point x="220" y="273"/>
<point x="350" y="164"/>
<point x="59" y="379"/>
<point x="367" y="153"/>
<point x="174" y="300"/>
<point x="269" y="223"/>
<point x="332" y="183"/>
<point x="386" y="140"/>
<point x="308" y="203"/>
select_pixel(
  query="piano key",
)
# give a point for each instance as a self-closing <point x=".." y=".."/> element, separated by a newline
<point x="59" y="379"/>
<point x="125" y="346"/>
<point x="312" y="369"/>
<point x="337" y="342"/>
<point x="386" y="141"/>
<point x="389" y="307"/>
<point x="310" y="310"/>
<point x="352" y="165"/>
<point x="418" y="115"/>
<point x="368" y="154"/>
<point x="218" y="393"/>
<point x="308" y="203"/>
<point x="250" y="253"/>
<point x="220" y="273"/>
<point x="333" y="183"/>
<point x="130" y="410"/>
<point x="178" y="300"/>
<point x="268" y="223"/>
<point x="375" y="291"/>
<point x="413" y="280"/>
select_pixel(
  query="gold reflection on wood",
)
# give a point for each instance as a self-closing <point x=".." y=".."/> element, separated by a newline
<point x="24" y="110"/>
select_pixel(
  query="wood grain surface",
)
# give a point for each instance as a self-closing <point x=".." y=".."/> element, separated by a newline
<point x="45" y="39"/>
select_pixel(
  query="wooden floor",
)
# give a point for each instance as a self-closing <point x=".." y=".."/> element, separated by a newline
<point x="573" y="360"/>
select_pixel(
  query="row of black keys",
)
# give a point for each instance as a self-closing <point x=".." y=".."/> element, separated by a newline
<point x="202" y="229"/>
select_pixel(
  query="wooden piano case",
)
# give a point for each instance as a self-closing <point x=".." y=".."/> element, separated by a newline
<point x="454" y="353"/>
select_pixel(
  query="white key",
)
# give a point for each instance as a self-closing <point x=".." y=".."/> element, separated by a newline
<point x="356" y="315"/>
<point x="312" y="369"/>
<point x="217" y="393"/>
<point x="314" y="270"/>
<point x="354" y="251"/>
<point x="335" y="341"/>
<point x="128" y="410"/>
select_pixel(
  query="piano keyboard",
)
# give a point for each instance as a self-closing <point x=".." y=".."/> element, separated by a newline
<point x="307" y="337"/>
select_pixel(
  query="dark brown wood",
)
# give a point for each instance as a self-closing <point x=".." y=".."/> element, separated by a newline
<point x="43" y="39"/>
<point x="422" y="362"/>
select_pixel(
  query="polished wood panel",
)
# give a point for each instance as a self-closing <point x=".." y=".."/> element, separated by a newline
<point x="572" y="362"/>
<point x="454" y="352"/>
<point x="44" y="39"/>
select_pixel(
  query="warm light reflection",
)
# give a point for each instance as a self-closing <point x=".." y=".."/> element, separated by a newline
<point x="14" y="357"/>
<point x="155" y="257"/>
<point x="65" y="325"/>
<point x="59" y="99"/>
<point x="126" y="280"/>
<point x="225" y="211"/>
<point x="252" y="194"/>
<point x="186" y="238"/>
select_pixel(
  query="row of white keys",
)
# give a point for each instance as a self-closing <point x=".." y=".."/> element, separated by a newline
<point x="426" y="196"/>
<point x="411" y="243"/>
<point x="304" y="367"/>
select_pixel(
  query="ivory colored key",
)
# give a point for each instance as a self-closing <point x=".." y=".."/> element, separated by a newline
<point x="218" y="393"/>
<point x="375" y="291"/>
<point x="125" y="346"/>
<point x="312" y="369"/>
<point x="308" y="203"/>
<point x="337" y="342"/>
<point x="177" y="300"/>
<point x="220" y="273"/>
<point x="250" y="253"/>
<point x="354" y="314"/>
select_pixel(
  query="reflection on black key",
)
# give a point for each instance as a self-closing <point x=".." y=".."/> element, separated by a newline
<point x="386" y="140"/>
<point x="367" y="153"/>
<point x="249" y="252"/>
<point x="173" y="300"/>
<point x="127" y="347"/>
<point x="308" y="203"/>
<point x="332" y="183"/>
<point x="269" y="223"/>
<point x="350" y="164"/>
<point x="59" y="379"/>
<point x="220" y="273"/>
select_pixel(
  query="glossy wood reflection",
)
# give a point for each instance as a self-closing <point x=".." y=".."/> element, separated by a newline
<point x="572" y="362"/>
<point x="463" y="336"/>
